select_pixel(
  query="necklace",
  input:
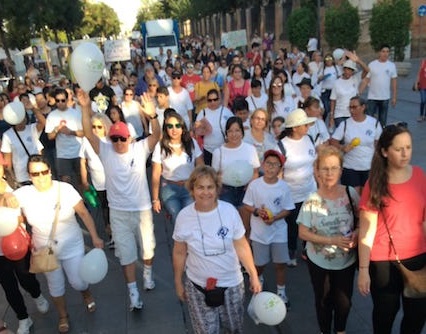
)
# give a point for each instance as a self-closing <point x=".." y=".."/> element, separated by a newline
<point x="175" y="145"/>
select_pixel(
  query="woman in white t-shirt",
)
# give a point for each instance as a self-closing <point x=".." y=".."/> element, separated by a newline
<point x="327" y="223"/>
<point x="39" y="202"/>
<point x="173" y="160"/>
<point x="300" y="154"/>
<point x="278" y="103"/>
<point x="359" y="135"/>
<point x="235" y="150"/>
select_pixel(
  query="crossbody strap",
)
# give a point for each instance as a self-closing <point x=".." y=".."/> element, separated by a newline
<point x="19" y="137"/>
<point x="55" y="220"/>
<point x="352" y="206"/>
<point x="391" y="241"/>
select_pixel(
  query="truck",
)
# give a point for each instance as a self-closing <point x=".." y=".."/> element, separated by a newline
<point x="160" y="33"/>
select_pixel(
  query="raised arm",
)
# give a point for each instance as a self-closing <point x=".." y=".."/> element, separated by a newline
<point x="150" y="112"/>
<point x="86" y="113"/>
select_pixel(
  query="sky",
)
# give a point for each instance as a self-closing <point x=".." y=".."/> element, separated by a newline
<point x="126" y="11"/>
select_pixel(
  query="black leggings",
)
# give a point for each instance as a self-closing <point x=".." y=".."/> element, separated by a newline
<point x="293" y="230"/>
<point x="333" y="293"/>
<point x="386" y="290"/>
<point x="10" y="273"/>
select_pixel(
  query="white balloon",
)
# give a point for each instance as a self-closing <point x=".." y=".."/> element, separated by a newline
<point x="8" y="220"/>
<point x="237" y="173"/>
<point x="93" y="266"/>
<point x="87" y="64"/>
<point x="338" y="54"/>
<point x="267" y="308"/>
<point x="14" y="112"/>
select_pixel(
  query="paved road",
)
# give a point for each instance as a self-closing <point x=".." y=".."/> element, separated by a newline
<point x="163" y="313"/>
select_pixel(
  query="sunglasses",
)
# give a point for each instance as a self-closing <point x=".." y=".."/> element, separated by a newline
<point x="277" y="85"/>
<point x="213" y="100"/>
<point x="132" y="85"/>
<point x="115" y="139"/>
<point x="43" y="172"/>
<point x="60" y="100"/>
<point x="99" y="127"/>
<point x="174" y="78"/>
<point x="170" y="126"/>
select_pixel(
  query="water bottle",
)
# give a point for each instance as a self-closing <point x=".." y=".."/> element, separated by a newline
<point x="91" y="197"/>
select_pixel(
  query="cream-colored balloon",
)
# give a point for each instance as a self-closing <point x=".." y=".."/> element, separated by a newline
<point x="87" y="65"/>
<point x="14" y="112"/>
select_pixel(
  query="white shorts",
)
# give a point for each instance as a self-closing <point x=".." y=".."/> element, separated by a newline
<point x="131" y="229"/>
<point x="263" y="254"/>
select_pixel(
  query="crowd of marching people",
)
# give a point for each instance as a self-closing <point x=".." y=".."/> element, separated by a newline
<point x="255" y="157"/>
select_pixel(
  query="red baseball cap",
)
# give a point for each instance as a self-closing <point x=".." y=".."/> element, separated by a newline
<point x="274" y="153"/>
<point x="119" y="129"/>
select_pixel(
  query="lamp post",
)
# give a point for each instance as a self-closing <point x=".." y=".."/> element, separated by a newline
<point x="319" y="23"/>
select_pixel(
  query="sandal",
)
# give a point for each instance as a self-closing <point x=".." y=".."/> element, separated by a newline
<point x="89" y="301"/>
<point x="63" y="325"/>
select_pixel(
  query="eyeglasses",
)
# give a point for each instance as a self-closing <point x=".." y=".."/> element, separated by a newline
<point x="60" y="100"/>
<point x="277" y="85"/>
<point x="176" y="78"/>
<point x="272" y="164"/>
<point x="332" y="170"/>
<point x="99" y="127"/>
<point x="115" y="139"/>
<point x="43" y="172"/>
<point x="170" y="126"/>
<point x="213" y="100"/>
<point x="259" y="119"/>
<point x="223" y="231"/>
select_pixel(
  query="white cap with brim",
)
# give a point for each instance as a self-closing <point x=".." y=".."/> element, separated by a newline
<point x="350" y="64"/>
<point x="298" y="117"/>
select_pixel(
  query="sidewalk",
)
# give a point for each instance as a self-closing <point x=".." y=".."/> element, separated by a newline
<point x="163" y="313"/>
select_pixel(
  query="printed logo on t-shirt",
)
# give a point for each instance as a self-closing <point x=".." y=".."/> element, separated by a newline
<point x="222" y="232"/>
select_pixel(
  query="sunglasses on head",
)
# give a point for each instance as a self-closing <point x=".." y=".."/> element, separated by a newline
<point x="397" y="125"/>
<point x="43" y="172"/>
<point x="60" y="100"/>
<point x="115" y="139"/>
<point x="213" y="100"/>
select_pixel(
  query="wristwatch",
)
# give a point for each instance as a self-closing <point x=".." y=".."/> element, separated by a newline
<point x="154" y="117"/>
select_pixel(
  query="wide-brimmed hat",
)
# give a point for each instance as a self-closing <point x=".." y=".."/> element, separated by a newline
<point x="350" y="64"/>
<point x="305" y="81"/>
<point x="298" y="117"/>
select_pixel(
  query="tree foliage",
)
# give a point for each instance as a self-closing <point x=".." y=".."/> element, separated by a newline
<point x="301" y="25"/>
<point x="99" y="20"/>
<point x="342" y="28"/>
<point x="390" y="24"/>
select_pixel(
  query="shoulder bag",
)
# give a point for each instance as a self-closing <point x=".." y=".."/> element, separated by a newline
<point x="44" y="259"/>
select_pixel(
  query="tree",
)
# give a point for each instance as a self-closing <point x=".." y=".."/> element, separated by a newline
<point x="301" y="25"/>
<point x="390" y="25"/>
<point x="337" y="21"/>
<point x="99" y="20"/>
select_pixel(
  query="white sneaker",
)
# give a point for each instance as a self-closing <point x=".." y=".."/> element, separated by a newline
<point x="42" y="304"/>
<point x="24" y="326"/>
<point x="135" y="301"/>
<point x="148" y="284"/>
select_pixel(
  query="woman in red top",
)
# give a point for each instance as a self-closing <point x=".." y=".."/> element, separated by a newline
<point x="236" y="87"/>
<point x="421" y="86"/>
<point x="394" y="196"/>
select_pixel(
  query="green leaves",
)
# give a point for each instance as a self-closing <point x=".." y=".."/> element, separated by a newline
<point x="301" y="25"/>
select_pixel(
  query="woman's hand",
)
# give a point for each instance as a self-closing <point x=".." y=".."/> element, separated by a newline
<point x="148" y="105"/>
<point x="342" y="242"/>
<point x="180" y="291"/>
<point x="83" y="98"/>
<point x="255" y="285"/>
<point x="364" y="281"/>
<point x="156" y="206"/>
<point x="97" y="242"/>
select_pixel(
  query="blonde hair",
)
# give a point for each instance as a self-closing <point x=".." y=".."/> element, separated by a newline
<point x="200" y="172"/>
<point x="325" y="151"/>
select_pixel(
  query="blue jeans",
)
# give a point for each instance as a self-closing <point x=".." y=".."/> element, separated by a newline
<point x="233" y="195"/>
<point x="174" y="197"/>
<point x="379" y="107"/>
<point x="325" y="98"/>
<point x="422" y="101"/>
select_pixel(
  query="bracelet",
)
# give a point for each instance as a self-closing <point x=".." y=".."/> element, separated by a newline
<point x="154" y="117"/>
<point x="155" y="200"/>
<point x="363" y="267"/>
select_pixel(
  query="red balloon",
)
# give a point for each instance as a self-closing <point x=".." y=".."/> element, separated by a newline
<point x="15" y="246"/>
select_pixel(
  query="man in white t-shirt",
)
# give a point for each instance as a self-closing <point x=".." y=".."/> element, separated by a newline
<point x="179" y="98"/>
<point x="382" y="78"/>
<point x="64" y="126"/>
<point x="128" y="194"/>
<point x="19" y="142"/>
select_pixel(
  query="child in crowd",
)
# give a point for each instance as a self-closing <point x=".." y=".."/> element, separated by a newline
<point x="277" y="126"/>
<point x="269" y="201"/>
<point x="241" y="110"/>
